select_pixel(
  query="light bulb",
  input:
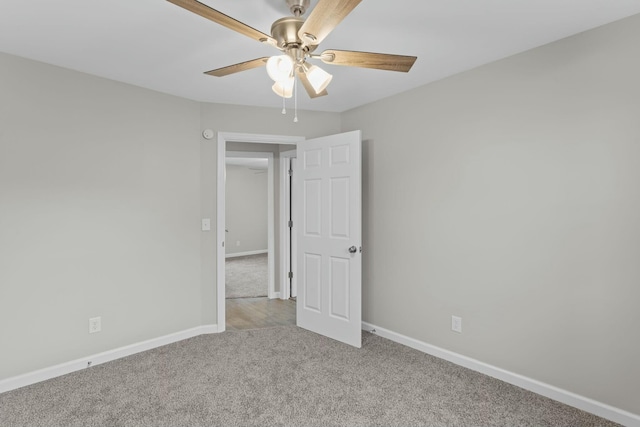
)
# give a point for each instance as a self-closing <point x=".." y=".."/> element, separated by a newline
<point x="284" y="88"/>
<point x="279" y="67"/>
<point x="318" y="78"/>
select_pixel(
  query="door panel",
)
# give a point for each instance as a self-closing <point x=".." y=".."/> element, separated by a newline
<point x="312" y="282"/>
<point x="328" y="184"/>
<point x="339" y="208"/>
<point x="312" y="208"/>
<point x="339" y="288"/>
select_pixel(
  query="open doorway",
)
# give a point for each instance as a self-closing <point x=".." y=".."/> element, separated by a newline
<point x="249" y="206"/>
<point x="251" y="297"/>
<point x="275" y="306"/>
<point x="328" y="193"/>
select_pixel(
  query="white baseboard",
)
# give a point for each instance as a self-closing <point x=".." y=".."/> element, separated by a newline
<point x="97" y="359"/>
<point x="274" y="295"/>
<point x="238" y="254"/>
<point x="597" y="408"/>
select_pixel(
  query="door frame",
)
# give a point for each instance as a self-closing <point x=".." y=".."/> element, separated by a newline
<point x="223" y="138"/>
<point x="287" y="251"/>
<point x="270" y="214"/>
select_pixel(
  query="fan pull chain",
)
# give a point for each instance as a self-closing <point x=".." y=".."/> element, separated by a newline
<point x="284" y="108"/>
<point x="295" y="100"/>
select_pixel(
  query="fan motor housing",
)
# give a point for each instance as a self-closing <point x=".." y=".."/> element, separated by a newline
<point x="285" y="32"/>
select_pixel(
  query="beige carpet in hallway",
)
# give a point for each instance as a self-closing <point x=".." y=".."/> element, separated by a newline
<point x="246" y="276"/>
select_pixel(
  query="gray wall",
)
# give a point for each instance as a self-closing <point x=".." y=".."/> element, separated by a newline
<point x="508" y="195"/>
<point x="102" y="188"/>
<point x="246" y="210"/>
<point x="99" y="214"/>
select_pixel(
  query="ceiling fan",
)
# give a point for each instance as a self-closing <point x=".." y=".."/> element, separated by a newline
<point x="298" y="38"/>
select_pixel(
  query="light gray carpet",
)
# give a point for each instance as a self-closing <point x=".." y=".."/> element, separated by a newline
<point x="282" y="376"/>
<point x="246" y="277"/>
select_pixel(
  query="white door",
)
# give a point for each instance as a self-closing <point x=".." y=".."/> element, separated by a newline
<point x="329" y="236"/>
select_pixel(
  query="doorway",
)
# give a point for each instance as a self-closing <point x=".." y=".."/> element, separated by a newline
<point x="249" y="227"/>
<point x="328" y="190"/>
<point x="275" y="291"/>
<point x="251" y="298"/>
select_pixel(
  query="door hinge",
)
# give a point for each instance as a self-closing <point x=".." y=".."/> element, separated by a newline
<point x="290" y="224"/>
<point x="291" y="275"/>
<point x="290" y="171"/>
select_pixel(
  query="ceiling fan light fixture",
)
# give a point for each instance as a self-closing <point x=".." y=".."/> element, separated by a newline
<point x="297" y="38"/>
<point x="284" y="88"/>
<point x="279" y="67"/>
<point x="318" y="78"/>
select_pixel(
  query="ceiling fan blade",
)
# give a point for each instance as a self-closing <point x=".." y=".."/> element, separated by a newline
<point x="308" y="87"/>
<point x="378" y="61"/>
<point x="236" y="68"/>
<point x="224" y="20"/>
<point x="324" y="18"/>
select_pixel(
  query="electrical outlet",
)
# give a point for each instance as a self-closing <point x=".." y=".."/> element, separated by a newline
<point x="95" y="325"/>
<point x="456" y="324"/>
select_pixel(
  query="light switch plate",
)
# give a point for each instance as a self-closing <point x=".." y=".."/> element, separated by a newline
<point x="206" y="224"/>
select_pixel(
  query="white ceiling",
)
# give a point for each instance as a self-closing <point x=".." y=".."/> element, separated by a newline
<point x="160" y="46"/>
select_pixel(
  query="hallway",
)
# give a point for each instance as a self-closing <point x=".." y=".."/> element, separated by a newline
<point x="257" y="313"/>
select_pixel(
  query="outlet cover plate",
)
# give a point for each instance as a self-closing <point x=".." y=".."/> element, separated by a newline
<point x="456" y="324"/>
<point x="95" y="325"/>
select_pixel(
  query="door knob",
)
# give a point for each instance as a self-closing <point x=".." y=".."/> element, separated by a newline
<point x="353" y="250"/>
